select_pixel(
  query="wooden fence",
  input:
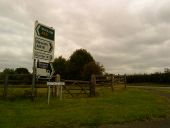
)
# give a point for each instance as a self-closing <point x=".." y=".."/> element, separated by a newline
<point x="120" y="79"/>
<point x="77" y="87"/>
<point x="71" y="87"/>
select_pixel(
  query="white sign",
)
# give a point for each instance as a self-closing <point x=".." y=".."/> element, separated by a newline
<point x="49" y="84"/>
<point x="55" y="83"/>
<point x="43" y="45"/>
<point x="44" y="70"/>
<point x="44" y="42"/>
<point x="43" y="73"/>
<point x="42" y="56"/>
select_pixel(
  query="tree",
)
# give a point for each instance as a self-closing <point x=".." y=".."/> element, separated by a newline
<point x="92" y="68"/>
<point x="21" y="71"/>
<point x="7" y="71"/>
<point x="77" y="61"/>
<point x="22" y="76"/>
<point x="60" y="66"/>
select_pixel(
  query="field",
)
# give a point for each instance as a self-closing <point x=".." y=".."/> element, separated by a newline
<point x="120" y="106"/>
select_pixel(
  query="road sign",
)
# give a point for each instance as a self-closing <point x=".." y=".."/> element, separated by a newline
<point x="43" y="45"/>
<point x="58" y="84"/>
<point x="45" y="32"/>
<point x="44" y="70"/>
<point x="42" y="65"/>
<point x="42" y="73"/>
<point x="42" y="56"/>
<point x="44" y="42"/>
<point x="55" y="83"/>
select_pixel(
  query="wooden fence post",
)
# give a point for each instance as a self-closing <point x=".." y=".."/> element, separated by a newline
<point x="111" y="81"/>
<point x="6" y="86"/>
<point x="57" y="79"/>
<point x="93" y="85"/>
<point x="125" y="80"/>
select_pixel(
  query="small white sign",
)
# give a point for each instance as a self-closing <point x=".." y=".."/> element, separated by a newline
<point x="55" y="83"/>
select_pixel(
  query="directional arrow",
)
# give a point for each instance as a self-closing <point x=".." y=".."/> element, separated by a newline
<point x="43" y="45"/>
<point x="51" y="69"/>
<point x="51" y="47"/>
<point x="37" y="29"/>
<point x="45" y="32"/>
<point x="45" y="70"/>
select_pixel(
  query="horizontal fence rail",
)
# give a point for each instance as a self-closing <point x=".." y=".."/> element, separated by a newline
<point x="71" y="87"/>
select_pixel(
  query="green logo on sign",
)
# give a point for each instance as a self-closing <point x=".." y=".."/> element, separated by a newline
<point x="45" y="32"/>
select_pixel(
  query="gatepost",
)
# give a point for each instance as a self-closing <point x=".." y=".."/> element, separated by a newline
<point x="6" y="86"/>
<point x="111" y="75"/>
<point x="93" y="85"/>
<point x="57" y="79"/>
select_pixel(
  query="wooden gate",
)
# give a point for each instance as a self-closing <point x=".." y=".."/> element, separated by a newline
<point x="76" y="87"/>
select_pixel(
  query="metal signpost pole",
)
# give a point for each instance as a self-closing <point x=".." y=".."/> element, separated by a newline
<point x="34" y="62"/>
<point x="33" y="79"/>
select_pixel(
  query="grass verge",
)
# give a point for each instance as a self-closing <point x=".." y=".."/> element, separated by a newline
<point x="106" y="108"/>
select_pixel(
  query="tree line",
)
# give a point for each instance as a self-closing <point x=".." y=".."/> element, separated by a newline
<point x="79" y="66"/>
<point x="159" y="78"/>
<point x="16" y="76"/>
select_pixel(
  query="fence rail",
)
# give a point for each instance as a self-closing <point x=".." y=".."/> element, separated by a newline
<point x="71" y="87"/>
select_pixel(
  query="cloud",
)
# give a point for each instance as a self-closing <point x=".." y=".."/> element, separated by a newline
<point x="126" y="36"/>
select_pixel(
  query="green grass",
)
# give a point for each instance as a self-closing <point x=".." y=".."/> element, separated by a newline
<point x="106" y="108"/>
<point x="149" y="84"/>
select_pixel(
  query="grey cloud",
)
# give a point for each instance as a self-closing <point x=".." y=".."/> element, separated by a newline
<point x="126" y="36"/>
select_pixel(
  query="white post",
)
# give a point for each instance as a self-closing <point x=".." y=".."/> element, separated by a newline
<point x="57" y="91"/>
<point x="61" y="91"/>
<point x="60" y="88"/>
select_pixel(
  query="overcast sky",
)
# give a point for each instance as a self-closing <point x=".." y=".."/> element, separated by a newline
<point x="126" y="36"/>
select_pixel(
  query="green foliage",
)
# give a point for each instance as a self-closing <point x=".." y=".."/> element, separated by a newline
<point x="21" y="71"/>
<point x="80" y="66"/>
<point x="60" y="66"/>
<point x="158" y="78"/>
<point x="21" y="76"/>
<point x="77" y="61"/>
<point x="7" y="71"/>
<point x="92" y="68"/>
<point x="16" y="76"/>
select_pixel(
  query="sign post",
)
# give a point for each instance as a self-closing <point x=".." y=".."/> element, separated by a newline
<point x="54" y="84"/>
<point x="43" y="49"/>
<point x="44" y="70"/>
<point x="33" y="79"/>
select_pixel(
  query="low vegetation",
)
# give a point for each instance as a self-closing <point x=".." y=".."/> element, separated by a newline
<point x="122" y="105"/>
